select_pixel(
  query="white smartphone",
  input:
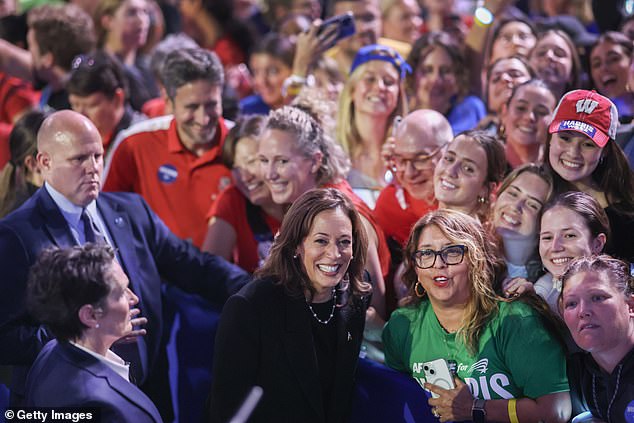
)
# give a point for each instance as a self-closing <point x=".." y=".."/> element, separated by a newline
<point x="437" y="372"/>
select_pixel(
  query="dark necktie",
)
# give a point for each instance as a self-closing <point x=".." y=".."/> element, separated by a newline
<point x="91" y="232"/>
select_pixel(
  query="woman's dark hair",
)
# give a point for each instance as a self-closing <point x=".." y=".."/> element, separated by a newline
<point x="63" y="280"/>
<point x="287" y="269"/>
<point x="522" y="60"/>
<point x="574" y="80"/>
<point x="249" y="126"/>
<point x="536" y="82"/>
<point x="238" y="31"/>
<point x="98" y="72"/>
<point x="277" y="46"/>
<point x="14" y="189"/>
<point x="425" y="45"/>
<point x="585" y="206"/>
<point x="496" y="163"/>
<point x="498" y="28"/>
<point x="617" y="270"/>
<point x="613" y="175"/>
<point x="613" y="37"/>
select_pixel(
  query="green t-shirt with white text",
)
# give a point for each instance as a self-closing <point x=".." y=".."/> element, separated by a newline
<point x="517" y="357"/>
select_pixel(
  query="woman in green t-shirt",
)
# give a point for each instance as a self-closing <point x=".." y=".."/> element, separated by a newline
<point x="509" y="367"/>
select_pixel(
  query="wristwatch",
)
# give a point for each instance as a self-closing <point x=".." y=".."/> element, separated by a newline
<point x="478" y="413"/>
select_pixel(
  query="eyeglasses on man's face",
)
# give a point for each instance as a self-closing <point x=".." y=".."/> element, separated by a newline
<point x="454" y="254"/>
<point x="419" y="162"/>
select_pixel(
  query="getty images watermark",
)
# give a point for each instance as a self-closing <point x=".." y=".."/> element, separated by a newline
<point x="53" y="414"/>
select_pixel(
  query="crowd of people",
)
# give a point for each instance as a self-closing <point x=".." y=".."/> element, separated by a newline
<point x="419" y="183"/>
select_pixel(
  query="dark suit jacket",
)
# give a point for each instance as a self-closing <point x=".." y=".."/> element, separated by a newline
<point x="265" y="338"/>
<point x="65" y="376"/>
<point x="148" y="253"/>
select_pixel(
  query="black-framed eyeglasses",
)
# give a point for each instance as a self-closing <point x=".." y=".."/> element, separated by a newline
<point x="454" y="254"/>
<point x="420" y="161"/>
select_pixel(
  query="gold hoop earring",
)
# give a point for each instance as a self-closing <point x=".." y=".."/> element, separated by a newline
<point x="419" y="290"/>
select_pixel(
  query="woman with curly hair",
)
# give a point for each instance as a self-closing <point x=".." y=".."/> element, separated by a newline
<point x="453" y="313"/>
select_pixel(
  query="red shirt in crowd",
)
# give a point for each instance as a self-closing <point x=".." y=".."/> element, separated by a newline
<point x="396" y="212"/>
<point x="177" y="184"/>
<point x="231" y="206"/>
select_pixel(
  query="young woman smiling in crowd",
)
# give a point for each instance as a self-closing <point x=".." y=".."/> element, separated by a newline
<point x="610" y="62"/>
<point x="372" y="97"/>
<point x="297" y="155"/>
<point x="502" y="77"/>
<point x="515" y="221"/>
<point x="440" y="79"/>
<point x="468" y="172"/>
<point x="525" y="118"/>
<point x="556" y="61"/>
<point x="244" y="218"/>
<point x="573" y="225"/>
<point x="583" y="155"/>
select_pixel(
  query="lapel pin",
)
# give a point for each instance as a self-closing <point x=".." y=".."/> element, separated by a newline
<point x="119" y="222"/>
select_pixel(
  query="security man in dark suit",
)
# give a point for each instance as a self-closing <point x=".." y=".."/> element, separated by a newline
<point x="70" y="210"/>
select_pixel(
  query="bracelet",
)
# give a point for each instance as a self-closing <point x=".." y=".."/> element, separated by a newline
<point x="512" y="408"/>
<point x="483" y="16"/>
<point x="293" y="85"/>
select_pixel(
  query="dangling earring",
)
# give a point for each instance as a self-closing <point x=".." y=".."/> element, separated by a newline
<point x="419" y="290"/>
<point x="502" y="131"/>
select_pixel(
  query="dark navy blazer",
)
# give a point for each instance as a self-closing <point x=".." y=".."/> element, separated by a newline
<point x="65" y="376"/>
<point x="148" y="251"/>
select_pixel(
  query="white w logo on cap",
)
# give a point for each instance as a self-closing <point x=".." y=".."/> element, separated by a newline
<point x="586" y="106"/>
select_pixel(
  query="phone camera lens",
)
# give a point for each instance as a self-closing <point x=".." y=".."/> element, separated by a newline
<point x="432" y="371"/>
<point x="426" y="368"/>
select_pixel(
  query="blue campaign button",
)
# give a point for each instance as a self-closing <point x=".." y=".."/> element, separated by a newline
<point x="629" y="412"/>
<point x="167" y="173"/>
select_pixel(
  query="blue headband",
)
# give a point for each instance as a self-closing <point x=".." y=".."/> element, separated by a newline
<point x="379" y="52"/>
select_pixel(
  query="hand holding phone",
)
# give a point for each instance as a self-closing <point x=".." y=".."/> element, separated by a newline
<point x="437" y="373"/>
<point x="341" y="26"/>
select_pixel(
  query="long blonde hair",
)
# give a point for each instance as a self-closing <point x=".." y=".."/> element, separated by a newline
<point x="484" y="264"/>
<point x="347" y="133"/>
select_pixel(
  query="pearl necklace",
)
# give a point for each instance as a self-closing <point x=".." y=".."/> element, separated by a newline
<point x="332" y="312"/>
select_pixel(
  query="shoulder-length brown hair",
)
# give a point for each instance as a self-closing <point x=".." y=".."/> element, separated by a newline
<point x="484" y="264"/>
<point x="288" y="271"/>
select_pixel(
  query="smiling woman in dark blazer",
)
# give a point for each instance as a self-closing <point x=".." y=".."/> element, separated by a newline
<point x="296" y="330"/>
<point x="82" y="294"/>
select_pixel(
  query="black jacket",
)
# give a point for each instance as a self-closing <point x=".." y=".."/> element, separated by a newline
<point x="264" y="338"/>
<point x="595" y="390"/>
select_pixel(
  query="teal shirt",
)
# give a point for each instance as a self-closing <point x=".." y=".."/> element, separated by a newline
<point x="517" y="357"/>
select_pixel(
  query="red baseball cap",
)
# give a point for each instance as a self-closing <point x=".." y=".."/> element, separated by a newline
<point x="588" y="113"/>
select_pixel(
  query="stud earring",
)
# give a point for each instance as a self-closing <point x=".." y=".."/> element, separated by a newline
<point x="97" y="326"/>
